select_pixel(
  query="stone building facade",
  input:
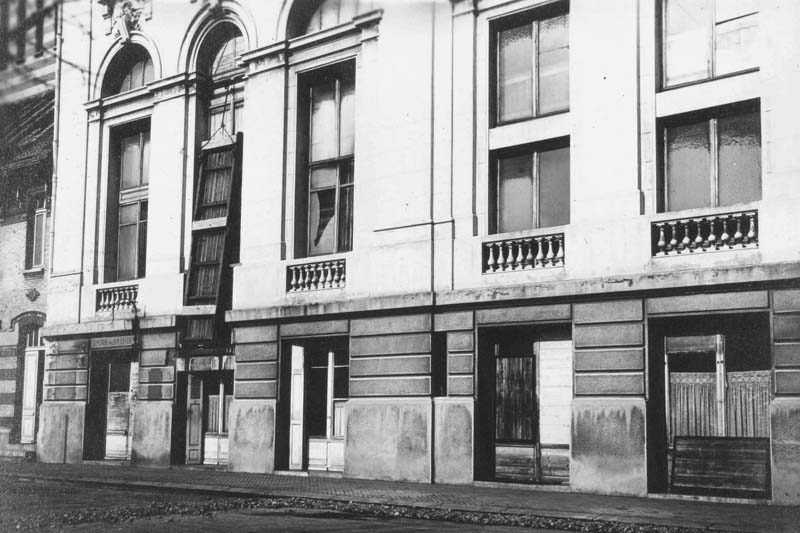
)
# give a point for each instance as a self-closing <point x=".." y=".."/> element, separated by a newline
<point x="446" y="241"/>
<point x="27" y="97"/>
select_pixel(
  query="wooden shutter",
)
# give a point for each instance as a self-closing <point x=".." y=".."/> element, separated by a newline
<point x="215" y="224"/>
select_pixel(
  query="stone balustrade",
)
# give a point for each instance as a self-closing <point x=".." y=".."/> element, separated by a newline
<point x="523" y="253"/>
<point x="713" y="233"/>
<point x="315" y="276"/>
<point x="117" y="298"/>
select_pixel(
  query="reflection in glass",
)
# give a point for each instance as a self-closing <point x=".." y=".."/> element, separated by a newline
<point x="515" y="194"/>
<point x="553" y="64"/>
<point x="515" y="74"/>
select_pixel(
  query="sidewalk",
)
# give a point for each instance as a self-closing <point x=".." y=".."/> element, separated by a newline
<point x="511" y="500"/>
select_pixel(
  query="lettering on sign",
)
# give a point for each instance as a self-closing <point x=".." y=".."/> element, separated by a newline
<point x="110" y="343"/>
<point x="204" y="363"/>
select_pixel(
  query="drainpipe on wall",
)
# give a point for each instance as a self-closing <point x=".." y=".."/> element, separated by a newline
<point x="56" y="125"/>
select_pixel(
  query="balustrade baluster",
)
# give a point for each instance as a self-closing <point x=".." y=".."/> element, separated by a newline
<point x="673" y="241"/>
<point x="490" y="263"/>
<point x="751" y="233"/>
<point x="501" y="260"/>
<point x="529" y="255"/>
<point x="560" y="254"/>
<point x="662" y="242"/>
<point x="539" y="252"/>
<point x="519" y="262"/>
<point x="550" y="253"/>
<point x="712" y="237"/>
<point x="686" y="242"/>
<point x="344" y="271"/>
<point x="737" y="237"/>
<point x="293" y="280"/>
<point x="699" y="239"/>
<point x="725" y="237"/>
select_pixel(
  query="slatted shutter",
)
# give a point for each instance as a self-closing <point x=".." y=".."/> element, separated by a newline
<point x="215" y="224"/>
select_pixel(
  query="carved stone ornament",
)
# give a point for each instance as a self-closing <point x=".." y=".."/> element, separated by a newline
<point x="32" y="294"/>
<point x="126" y="16"/>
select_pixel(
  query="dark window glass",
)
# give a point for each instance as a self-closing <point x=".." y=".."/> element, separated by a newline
<point x="119" y="377"/>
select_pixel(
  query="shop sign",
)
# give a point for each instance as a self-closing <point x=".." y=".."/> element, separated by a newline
<point x="198" y="364"/>
<point x="112" y="343"/>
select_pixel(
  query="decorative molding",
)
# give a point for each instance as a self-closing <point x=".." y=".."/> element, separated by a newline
<point x="126" y="16"/>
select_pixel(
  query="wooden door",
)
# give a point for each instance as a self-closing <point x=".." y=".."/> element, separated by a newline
<point x="516" y="416"/>
<point x="296" y="407"/>
<point x="30" y="389"/>
<point x="194" y="420"/>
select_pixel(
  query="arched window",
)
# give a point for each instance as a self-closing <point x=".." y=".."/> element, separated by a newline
<point x="316" y="15"/>
<point x="223" y="94"/>
<point x="130" y="69"/>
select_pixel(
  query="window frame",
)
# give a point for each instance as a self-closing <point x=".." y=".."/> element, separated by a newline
<point x="533" y="150"/>
<point x="710" y="116"/>
<point x="712" y="48"/>
<point x="531" y="16"/>
<point x="36" y="232"/>
<point x="307" y="81"/>
<point x="119" y="198"/>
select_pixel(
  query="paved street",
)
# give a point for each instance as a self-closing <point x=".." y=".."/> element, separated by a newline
<point x="539" y="508"/>
<point x="29" y="504"/>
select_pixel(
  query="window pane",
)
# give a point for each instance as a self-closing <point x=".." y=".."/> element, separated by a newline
<point x="322" y="177"/>
<point x="345" y="219"/>
<point x="322" y="207"/>
<point x="131" y="159"/>
<point x="145" y="157"/>
<point x="347" y="117"/>
<point x="739" y="158"/>
<point x="346" y="172"/>
<point x="128" y="214"/>
<point x="341" y="384"/>
<point x="137" y="74"/>
<point x="126" y="265"/>
<point x="735" y="43"/>
<point x="515" y="73"/>
<point x="323" y="122"/>
<point x="515" y="211"/>
<point x="316" y="401"/>
<point x="688" y="167"/>
<point x="687" y="36"/>
<point x="119" y="377"/>
<point x="142" y="251"/>
<point x="148" y="71"/>
<point x="38" y="239"/>
<point x="554" y="64"/>
<point x="554" y="188"/>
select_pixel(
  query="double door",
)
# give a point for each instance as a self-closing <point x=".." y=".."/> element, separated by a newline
<point x="207" y="413"/>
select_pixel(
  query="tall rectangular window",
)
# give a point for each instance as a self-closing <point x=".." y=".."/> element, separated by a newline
<point x="704" y="39"/>
<point x="128" y="205"/>
<point x="532" y="64"/>
<point x="712" y="159"/>
<point x="532" y="189"/>
<point x="327" y="145"/>
<point x="37" y="217"/>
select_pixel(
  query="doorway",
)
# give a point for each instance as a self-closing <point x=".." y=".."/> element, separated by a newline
<point x="113" y="380"/>
<point x="711" y="388"/>
<point x="524" y="404"/>
<point x="311" y="408"/>
<point x="208" y="399"/>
